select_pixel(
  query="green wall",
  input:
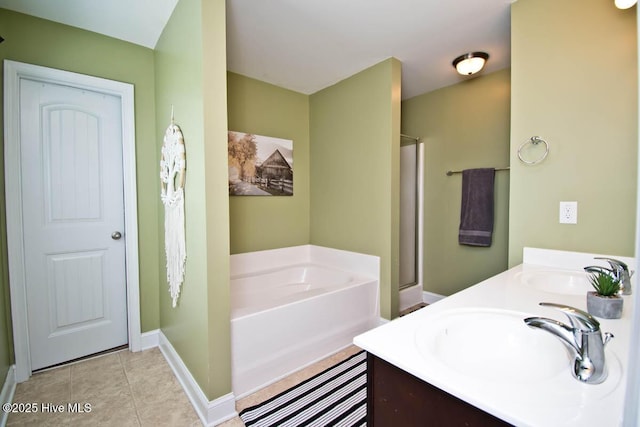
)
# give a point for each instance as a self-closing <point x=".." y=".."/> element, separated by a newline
<point x="461" y="126"/>
<point x="259" y="223"/>
<point x="355" y="163"/>
<point x="574" y="83"/>
<point x="46" y="43"/>
<point x="190" y="66"/>
<point x="217" y="196"/>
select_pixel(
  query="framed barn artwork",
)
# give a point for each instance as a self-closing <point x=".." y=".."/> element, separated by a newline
<point x="259" y="165"/>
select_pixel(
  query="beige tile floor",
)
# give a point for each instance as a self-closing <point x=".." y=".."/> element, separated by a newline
<point x="123" y="389"/>
<point x="133" y="389"/>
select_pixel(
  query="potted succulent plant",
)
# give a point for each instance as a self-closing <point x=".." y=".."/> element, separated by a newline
<point x="604" y="302"/>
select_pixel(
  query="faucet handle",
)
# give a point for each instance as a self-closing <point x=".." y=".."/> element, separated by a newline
<point x="602" y="270"/>
<point x="579" y="319"/>
<point x="614" y="263"/>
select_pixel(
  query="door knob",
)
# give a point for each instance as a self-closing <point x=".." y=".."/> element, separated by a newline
<point x="116" y="235"/>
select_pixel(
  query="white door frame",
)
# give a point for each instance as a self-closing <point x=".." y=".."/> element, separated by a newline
<point x="13" y="73"/>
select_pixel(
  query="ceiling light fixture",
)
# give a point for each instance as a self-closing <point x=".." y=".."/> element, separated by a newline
<point x="470" y="63"/>
<point x="625" y="4"/>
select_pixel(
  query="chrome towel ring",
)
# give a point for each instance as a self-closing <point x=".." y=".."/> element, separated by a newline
<point x="534" y="140"/>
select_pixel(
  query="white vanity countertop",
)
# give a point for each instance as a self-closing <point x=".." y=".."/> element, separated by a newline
<point x="519" y="401"/>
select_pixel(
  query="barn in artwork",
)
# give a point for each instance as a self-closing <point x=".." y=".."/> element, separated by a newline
<point x="275" y="167"/>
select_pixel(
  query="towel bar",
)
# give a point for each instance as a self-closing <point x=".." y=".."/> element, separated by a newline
<point x="449" y="173"/>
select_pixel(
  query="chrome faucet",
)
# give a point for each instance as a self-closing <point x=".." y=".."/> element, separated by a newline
<point x="583" y="338"/>
<point x="619" y="271"/>
<point x="600" y="269"/>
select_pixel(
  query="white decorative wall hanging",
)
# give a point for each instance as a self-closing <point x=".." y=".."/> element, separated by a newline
<point x="172" y="174"/>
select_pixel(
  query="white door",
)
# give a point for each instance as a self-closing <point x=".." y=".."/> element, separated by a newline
<point x="73" y="221"/>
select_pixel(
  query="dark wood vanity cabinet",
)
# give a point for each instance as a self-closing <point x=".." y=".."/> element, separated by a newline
<point x="397" y="398"/>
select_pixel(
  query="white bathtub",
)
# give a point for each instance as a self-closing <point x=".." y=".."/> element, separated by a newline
<point x="293" y="306"/>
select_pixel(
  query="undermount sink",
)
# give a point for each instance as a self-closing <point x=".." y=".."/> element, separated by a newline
<point x="488" y="349"/>
<point x="491" y="344"/>
<point x="557" y="282"/>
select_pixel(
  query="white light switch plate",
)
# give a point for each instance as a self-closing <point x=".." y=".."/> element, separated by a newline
<point x="568" y="212"/>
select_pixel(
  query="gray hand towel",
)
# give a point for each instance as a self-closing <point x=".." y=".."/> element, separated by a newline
<point x="476" y="213"/>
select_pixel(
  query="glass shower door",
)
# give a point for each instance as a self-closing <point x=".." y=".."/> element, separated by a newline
<point x="409" y="212"/>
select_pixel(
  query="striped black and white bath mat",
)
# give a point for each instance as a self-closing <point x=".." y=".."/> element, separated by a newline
<point x="334" y="397"/>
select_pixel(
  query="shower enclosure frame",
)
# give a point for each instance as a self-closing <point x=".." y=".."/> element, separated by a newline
<point x="418" y="211"/>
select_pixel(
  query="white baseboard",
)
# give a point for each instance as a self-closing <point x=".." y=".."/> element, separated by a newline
<point x="8" y="390"/>
<point x="150" y="339"/>
<point x="430" y="297"/>
<point x="415" y="295"/>
<point x="212" y="412"/>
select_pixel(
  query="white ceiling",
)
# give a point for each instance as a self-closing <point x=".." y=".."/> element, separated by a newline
<point x="307" y="45"/>
<point x="137" y="21"/>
